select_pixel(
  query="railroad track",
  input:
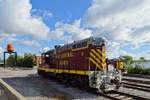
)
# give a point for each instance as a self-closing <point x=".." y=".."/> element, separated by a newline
<point x="115" y="95"/>
<point x="118" y="95"/>
<point x="137" y="80"/>
<point x="138" y="76"/>
<point x="137" y="83"/>
<point x="138" y="86"/>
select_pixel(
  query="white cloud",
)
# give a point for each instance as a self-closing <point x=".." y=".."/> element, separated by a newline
<point x="45" y="49"/>
<point x="15" y="17"/>
<point x="145" y="54"/>
<point x="45" y="14"/>
<point x="70" y="32"/>
<point x="31" y="43"/>
<point x="18" y="17"/>
<point x="5" y="35"/>
<point x="120" y="21"/>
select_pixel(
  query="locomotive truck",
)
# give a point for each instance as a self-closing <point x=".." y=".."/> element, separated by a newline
<point x="84" y="63"/>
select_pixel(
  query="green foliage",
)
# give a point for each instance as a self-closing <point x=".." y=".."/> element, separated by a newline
<point x="28" y="60"/>
<point x="11" y="61"/>
<point x="142" y="58"/>
<point x="147" y="71"/>
<point x="20" y="61"/>
<point x="138" y="70"/>
<point x="130" y="69"/>
<point x="128" y="60"/>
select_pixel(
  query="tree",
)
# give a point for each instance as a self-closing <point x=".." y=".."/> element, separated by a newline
<point x="28" y="60"/>
<point x="128" y="60"/>
<point x="11" y="61"/>
<point x="142" y="60"/>
<point x="20" y="61"/>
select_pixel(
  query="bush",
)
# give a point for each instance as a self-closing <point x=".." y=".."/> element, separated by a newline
<point x="138" y="70"/>
<point x="130" y="69"/>
<point x="146" y="71"/>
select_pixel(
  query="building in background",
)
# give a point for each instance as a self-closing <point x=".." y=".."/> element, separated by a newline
<point x="38" y="60"/>
<point x="145" y="63"/>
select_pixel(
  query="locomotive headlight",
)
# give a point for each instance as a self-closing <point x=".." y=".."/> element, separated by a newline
<point x="117" y="78"/>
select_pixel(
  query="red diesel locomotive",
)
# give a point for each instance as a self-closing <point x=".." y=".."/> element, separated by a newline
<point x="84" y="63"/>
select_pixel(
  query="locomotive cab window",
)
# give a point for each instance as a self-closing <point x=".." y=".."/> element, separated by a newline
<point x="46" y="58"/>
<point x="84" y="44"/>
<point x="79" y="45"/>
<point x="74" y="46"/>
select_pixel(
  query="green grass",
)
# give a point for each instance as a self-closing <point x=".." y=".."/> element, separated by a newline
<point x="138" y="70"/>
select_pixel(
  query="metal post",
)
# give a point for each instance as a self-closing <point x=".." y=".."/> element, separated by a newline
<point x="10" y="53"/>
<point x="4" y="60"/>
<point x="15" y="58"/>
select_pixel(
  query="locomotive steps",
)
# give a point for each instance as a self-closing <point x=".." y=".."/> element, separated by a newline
<point x="9" y="93"/>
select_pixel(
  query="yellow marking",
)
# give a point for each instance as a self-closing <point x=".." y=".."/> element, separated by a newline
<point x="103" y="54"/>
<point x="98" y="60"/>
<point x="103" y="60"/>
<point x="99" y="51"/>
<point x="119" y="65"/>
<point x="103" y="49"/>
<point x="66" y="71"/>
<point x="95" y="63"/>
<point x="72" y="71"/>
<point x="80" y="72"/>
<point x="104" y="65"/>
<point x="96" y="53"/>
<point x="59" y="71"/>
<point x="53" y="70"/>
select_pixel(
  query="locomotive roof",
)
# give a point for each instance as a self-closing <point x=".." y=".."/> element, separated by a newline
<point x="97" y="40"/>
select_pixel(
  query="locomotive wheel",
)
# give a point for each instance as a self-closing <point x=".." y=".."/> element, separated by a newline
<point x="39" y="72"/>
<point x="101" y="89"/>
<point x="118" y="86"/>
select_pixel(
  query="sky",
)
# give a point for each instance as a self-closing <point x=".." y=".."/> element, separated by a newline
<point x="38" y="25"/>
